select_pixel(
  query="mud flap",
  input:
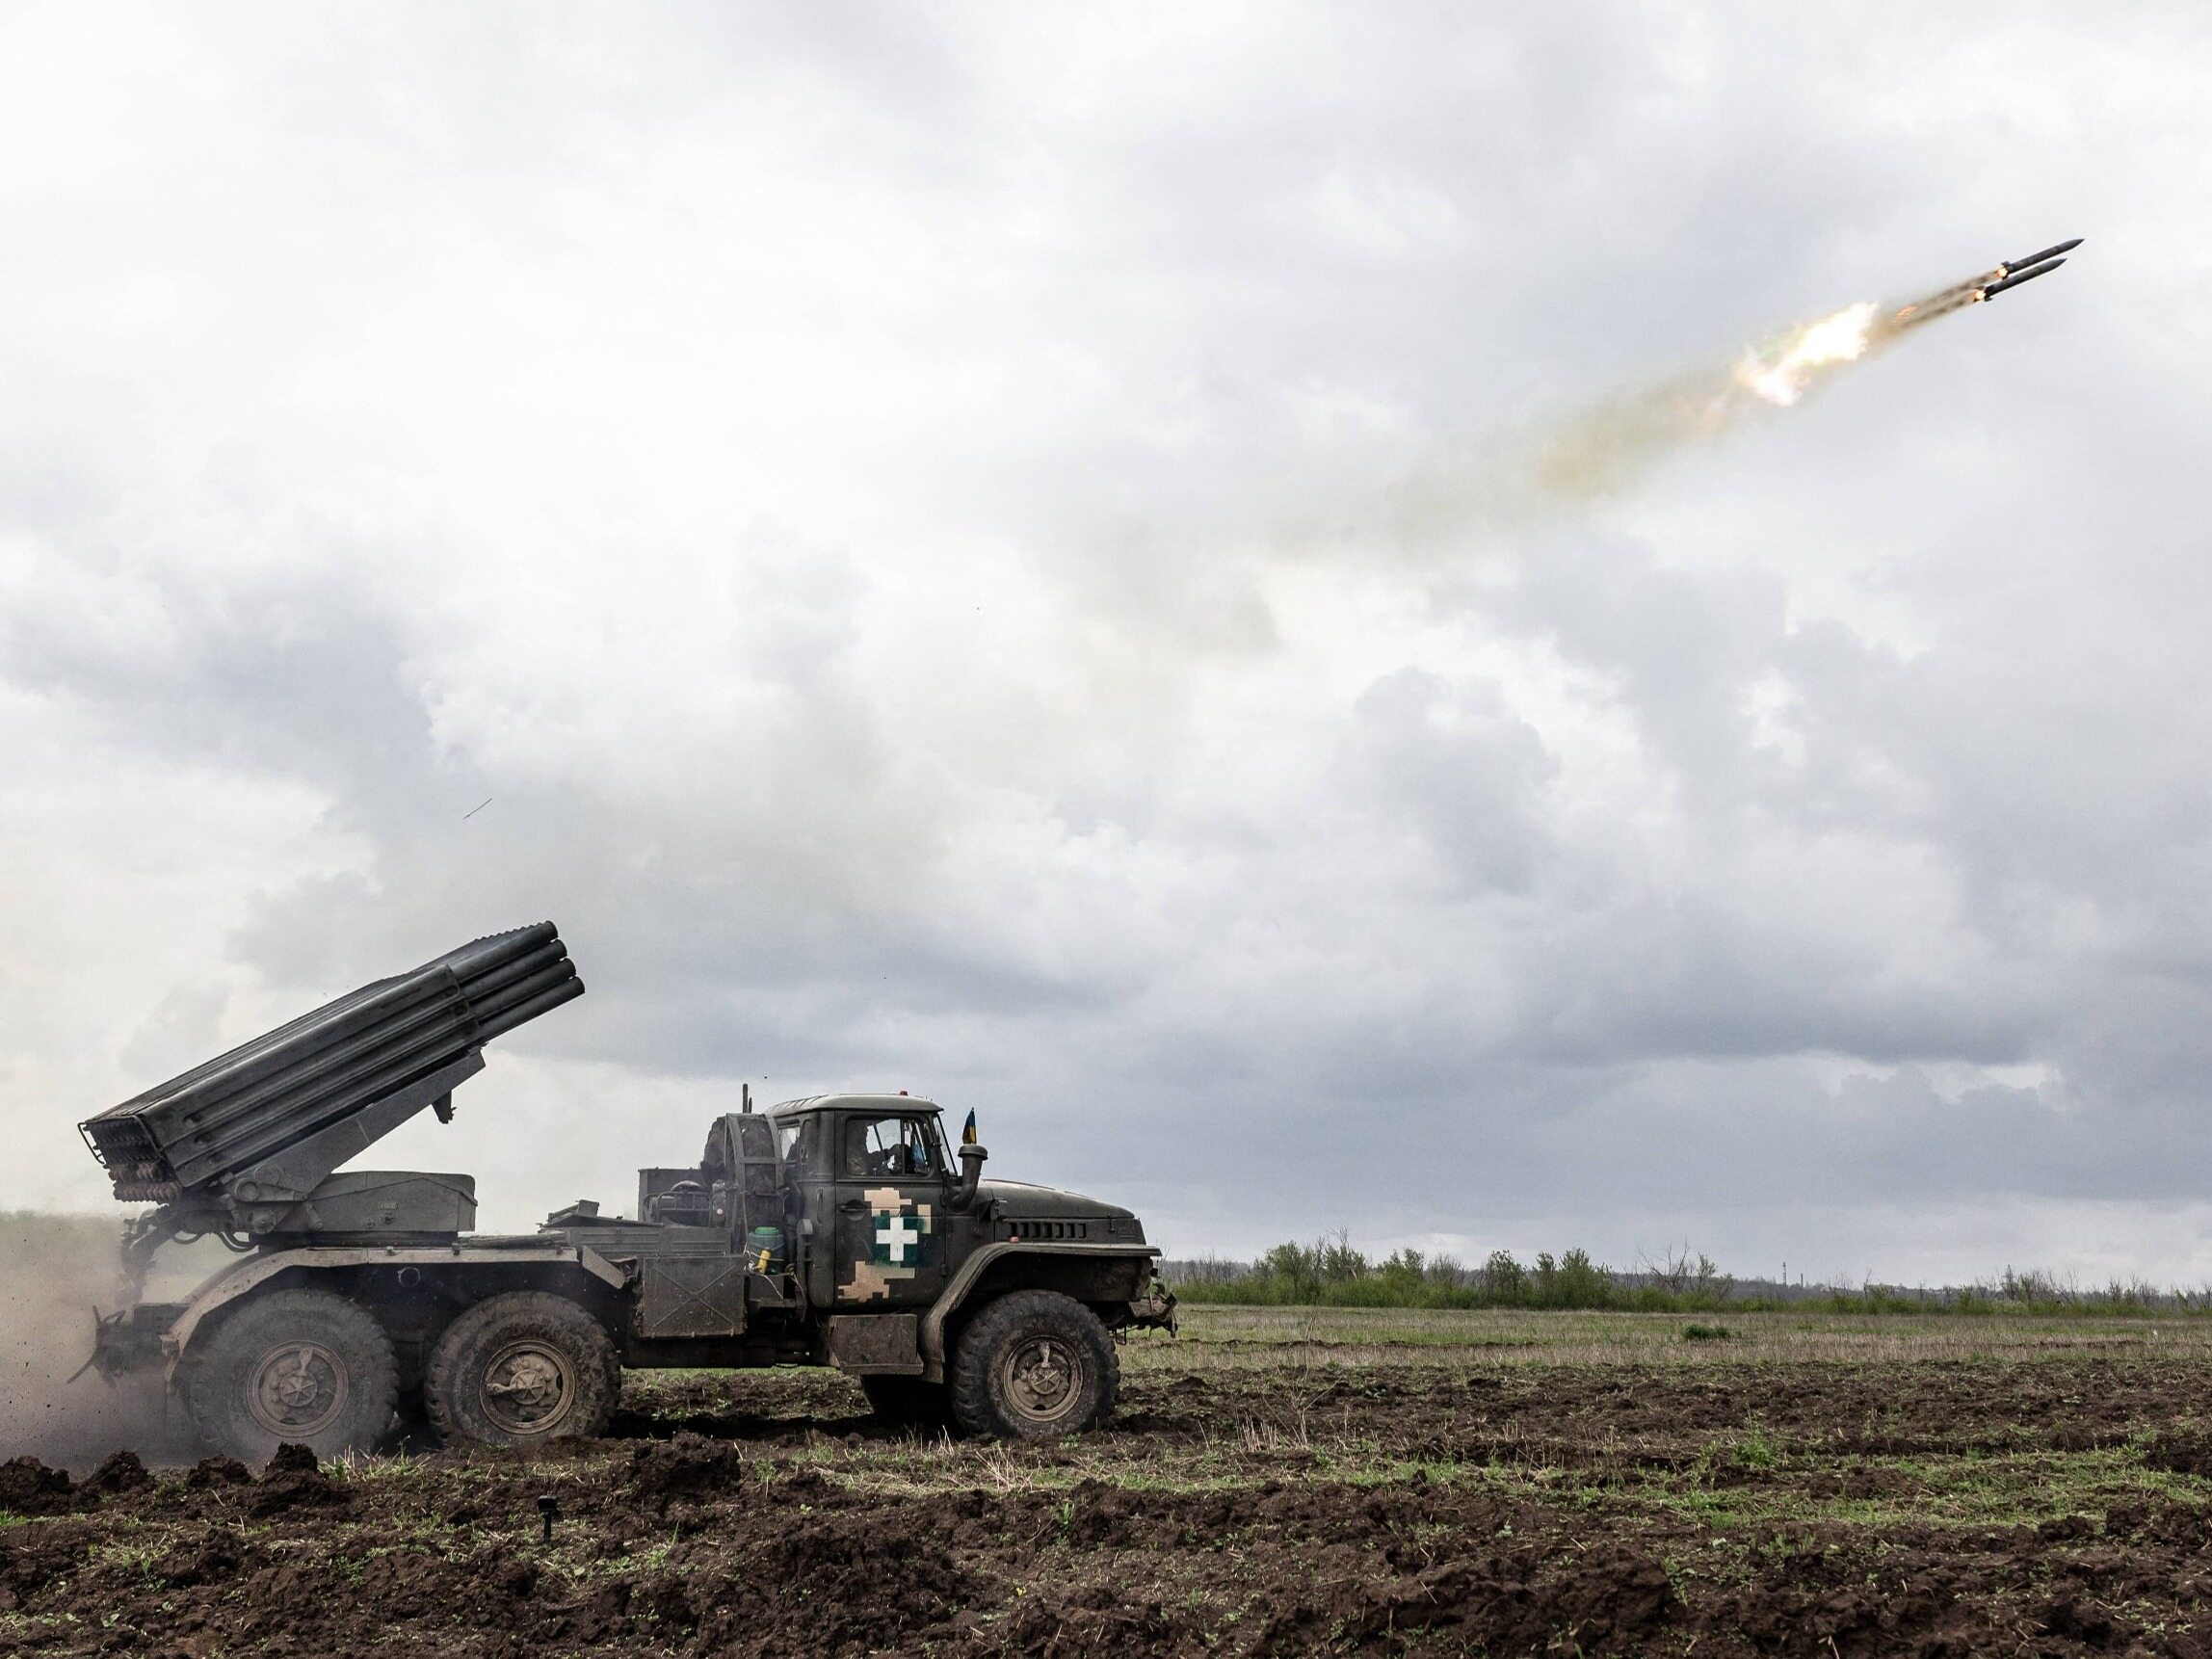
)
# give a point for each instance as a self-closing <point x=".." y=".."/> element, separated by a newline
<point x="875" y="1344"/>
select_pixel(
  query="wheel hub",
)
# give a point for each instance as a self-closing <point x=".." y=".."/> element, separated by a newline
<point x="1042" y="1378"/>
<point x="529" y="1387"/>
<point x="297" y="1390"/>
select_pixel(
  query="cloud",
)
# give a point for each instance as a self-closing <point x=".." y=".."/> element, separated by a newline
<point x="995" y="556"/>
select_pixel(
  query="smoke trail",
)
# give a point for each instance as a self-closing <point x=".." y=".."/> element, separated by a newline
<point x="1612" y="445"/>
<point x="1524" y="478"/>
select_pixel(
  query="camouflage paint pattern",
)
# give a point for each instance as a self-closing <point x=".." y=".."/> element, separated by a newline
<point x="898" y="1227"/>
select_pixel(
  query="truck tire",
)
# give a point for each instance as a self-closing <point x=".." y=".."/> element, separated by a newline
<point x="300" y="1367"/>
<point x="522" y="1369"/>
<point x="908" y="1402"/>
<point x="1033" y="1364"/>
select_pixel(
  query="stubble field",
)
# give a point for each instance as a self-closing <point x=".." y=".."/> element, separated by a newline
<point x="1279" y="1481"/>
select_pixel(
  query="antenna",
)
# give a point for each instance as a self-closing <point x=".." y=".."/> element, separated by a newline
<point x="748" y="1097"/>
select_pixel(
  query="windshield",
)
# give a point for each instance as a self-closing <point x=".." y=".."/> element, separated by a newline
<point x="897" y="1147"/>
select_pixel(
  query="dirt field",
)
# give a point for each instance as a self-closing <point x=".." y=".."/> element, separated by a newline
<point x="1279" y="1481"/>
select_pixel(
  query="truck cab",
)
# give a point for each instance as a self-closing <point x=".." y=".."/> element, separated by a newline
<point x="845" y="1229"/>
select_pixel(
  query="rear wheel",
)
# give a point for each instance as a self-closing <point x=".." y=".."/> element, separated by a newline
<point x="519" y="1370"/>
<point x="908" y="1402"/>
<point x="1034" y="1364"/>
<point x="300" y="1367"/>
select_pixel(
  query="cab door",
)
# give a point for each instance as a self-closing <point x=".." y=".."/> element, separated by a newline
<point x="891" y="1232"/>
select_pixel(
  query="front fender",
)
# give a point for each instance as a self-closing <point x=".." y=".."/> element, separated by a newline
<point x="971" y="1273"/>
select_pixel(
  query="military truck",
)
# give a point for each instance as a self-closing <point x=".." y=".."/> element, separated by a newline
<point x="838" y="1229"/>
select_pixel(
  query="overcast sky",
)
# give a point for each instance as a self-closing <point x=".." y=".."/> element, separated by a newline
<point x="994" y="550"/>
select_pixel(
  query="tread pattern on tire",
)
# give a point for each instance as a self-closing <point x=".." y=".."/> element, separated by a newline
<point x="969" y="1377"/>
<point x="449" y="1389"/>
<point x="211" y="1373"/>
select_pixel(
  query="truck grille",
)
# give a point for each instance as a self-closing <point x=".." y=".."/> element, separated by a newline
<point x="1048" y="1229"/>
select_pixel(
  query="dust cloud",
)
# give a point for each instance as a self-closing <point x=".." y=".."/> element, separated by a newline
<point x="54" y="1270"/>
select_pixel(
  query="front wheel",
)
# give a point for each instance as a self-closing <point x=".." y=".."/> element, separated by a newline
<point x="300" y="1367"/>
<point x="1033" y="1364"/>
<point x="519" y="1370"/>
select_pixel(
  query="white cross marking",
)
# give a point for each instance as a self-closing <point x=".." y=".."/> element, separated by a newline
<point x="895" y="1233"/>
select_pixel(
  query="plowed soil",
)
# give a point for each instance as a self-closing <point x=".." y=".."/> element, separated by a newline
<point x="1421" y="1495"/>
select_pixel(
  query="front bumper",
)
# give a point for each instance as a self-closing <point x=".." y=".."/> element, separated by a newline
<point x="1154" y="1310"/>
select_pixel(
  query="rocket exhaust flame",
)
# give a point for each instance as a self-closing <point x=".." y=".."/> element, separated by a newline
<point x="1781" y="373"/>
